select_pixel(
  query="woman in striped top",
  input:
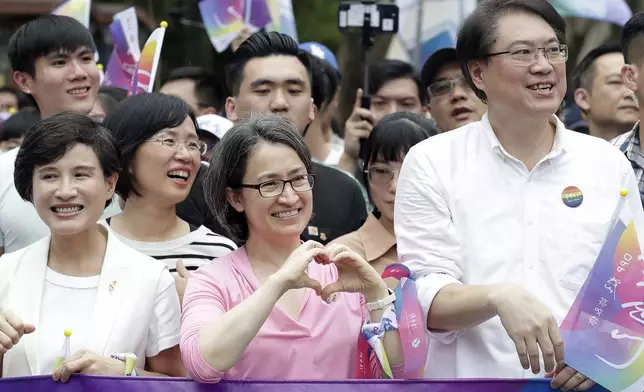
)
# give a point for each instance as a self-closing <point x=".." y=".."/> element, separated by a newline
<point x="160" y="156"/>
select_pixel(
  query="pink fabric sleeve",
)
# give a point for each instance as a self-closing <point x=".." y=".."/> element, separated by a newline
<point x="203" y="302"/>
<point x="376" y="369"/>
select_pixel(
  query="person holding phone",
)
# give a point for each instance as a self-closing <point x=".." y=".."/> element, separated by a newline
<point x="395" y="86"/>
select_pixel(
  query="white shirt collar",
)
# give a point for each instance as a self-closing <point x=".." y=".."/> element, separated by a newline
<point x="559" y="146"/>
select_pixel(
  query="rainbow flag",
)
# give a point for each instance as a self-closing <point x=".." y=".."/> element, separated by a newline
<point x="614" y="11"/>
<point x="126" y="52"/>
<point x="146" y="69"/>
<point x="604" y="329"/>
<point x="77" y="9"/>
<point x="223" y="19"/>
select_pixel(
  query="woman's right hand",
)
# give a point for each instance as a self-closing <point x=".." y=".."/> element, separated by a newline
<point x="11" y="331"/>
<point x="292" y="274"/>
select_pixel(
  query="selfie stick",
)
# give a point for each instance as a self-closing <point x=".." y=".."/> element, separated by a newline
<point x="367" y="44"/>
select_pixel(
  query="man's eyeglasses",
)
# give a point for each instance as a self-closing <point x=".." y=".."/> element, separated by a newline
<point x="525" y="57"/>
<point x="193" y="147"/>
<point x="380" y="175"/>
<point x="445" y="87"/>
<point x="274" y="188"/>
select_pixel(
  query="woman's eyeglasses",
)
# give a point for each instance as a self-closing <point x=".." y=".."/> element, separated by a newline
<point x="381" y="175"/>
<point x="193" y="147"/>
<point x="274" y="188"/>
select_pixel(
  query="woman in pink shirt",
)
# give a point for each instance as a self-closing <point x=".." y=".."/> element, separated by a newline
<point x="276" y="308"/>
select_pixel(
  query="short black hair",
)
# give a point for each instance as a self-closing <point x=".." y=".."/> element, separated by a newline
<point x="633" y="39"/>
<point x="384" y="71"/>
<point x="479" y="30"/>
<point x="395" y="134"/>
<point x="207" y="87"/>
<point x="135" y="120"/>
<point x="117" y="93"/>
<point x="43" y="36"/>
<point x="17" y="125"/>
<point x="392" y="138"/>
<point x="258" y="45"/>
<point x="51" y="138"/>
<point x="584" y="73"/>
<point x="325" y="81"/>
<point x="230" y="160"/>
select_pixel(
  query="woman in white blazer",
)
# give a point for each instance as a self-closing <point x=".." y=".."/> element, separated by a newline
<point x="120" y="305"/>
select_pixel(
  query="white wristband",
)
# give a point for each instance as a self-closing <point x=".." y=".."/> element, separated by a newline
<point x="381" y="303"/>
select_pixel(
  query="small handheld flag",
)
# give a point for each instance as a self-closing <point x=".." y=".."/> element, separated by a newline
<point x="146" y="69"/>
<point x="126" y="52"/>
<point x="223" y="20"/>
<point x="604" y="329"/>
<point x="65" y="351"/>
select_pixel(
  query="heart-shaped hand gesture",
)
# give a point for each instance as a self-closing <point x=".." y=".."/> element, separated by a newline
<point x="355" y="275"/>
<point x="293" y="271"/>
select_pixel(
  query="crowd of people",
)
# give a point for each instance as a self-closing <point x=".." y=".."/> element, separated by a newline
<point x="209" y="231"/>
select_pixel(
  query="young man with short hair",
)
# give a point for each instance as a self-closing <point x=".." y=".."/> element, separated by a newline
<point x="394" y="86"/>
<point x="270" y="74"/>
<point x="53" y="61"/>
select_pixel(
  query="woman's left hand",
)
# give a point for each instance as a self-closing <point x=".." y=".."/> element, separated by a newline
<point x="355" y="275"/>
<point x="87" y="362"/>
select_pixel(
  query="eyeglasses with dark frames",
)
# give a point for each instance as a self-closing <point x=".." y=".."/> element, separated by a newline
<point x="274" y="188"/>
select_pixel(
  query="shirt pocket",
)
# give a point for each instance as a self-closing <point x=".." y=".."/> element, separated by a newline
<point x="576" y="241"/>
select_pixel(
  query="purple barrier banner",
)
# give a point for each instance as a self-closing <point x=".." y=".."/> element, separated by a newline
<point x="80" y="383"/>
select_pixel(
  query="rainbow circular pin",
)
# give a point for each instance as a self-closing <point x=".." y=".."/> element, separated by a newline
<point x="572" y="196"/>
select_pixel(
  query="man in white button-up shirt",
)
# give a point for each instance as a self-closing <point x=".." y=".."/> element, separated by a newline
<point x="483" y="214"/>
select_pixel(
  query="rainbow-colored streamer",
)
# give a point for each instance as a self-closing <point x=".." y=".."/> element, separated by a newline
<point x="77" y="9"/>
<point x="411" y="327"/>
<point x="604" y="329"/>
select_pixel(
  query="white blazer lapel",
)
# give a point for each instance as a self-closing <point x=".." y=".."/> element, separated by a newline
<point x="111" y="294"/>
<point x="26" y="296"/>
